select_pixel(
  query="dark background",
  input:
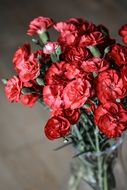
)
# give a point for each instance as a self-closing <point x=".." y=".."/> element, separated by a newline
<point x="27" y="159"/>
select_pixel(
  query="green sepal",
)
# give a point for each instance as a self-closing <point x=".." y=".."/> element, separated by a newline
<point x="95" y="74"/>
<point x="35" y="41"/>
<point x="27" y="90"/>
<point x="54" y="57"/>
<point x="44" y="37"/>
<point x="4" y="81"/>
<point x="40" y="81"/>
<point x="58" y="53"/>
<point x="107" y="49"/>
<point x="95" y="51"/>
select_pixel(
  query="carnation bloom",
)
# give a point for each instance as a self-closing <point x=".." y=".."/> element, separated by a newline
<point x="82" y="25"/>
<point x="57" y="127"/>
<point x="76" y="54"/>
<point x="118" y="53"/>
<point x="110" y="86"/>
<point x="92" y="39"/>
<point x="111" y="118"/>
<point x="123" y="33"/>
<point x="52" y="96"/>
<point x="13" y="89"/>
<point x="71" y="115"/>
<point x="76" y="93"/>
<point x="13" y="92"/>
<point x="124" y="75"/>
<point x="95" y="64"/>
<point x="30" y="69"/>
<point x="29" y="100"/>
<point x="68" y="33"/>
<point x="68" y="38"/>
<point x="50" y="47"/>
<point x="64" y="26"/>
<point x="39" y="25"/>
<point x="61" y="72"/>
<point x="54" y="74"/>
<point x="20" y="56"/>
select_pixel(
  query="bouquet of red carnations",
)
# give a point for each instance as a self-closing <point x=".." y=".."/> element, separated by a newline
<point x="82" y="77"/>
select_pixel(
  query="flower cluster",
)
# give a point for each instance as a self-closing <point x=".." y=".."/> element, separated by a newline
<point x="84" y="69"/>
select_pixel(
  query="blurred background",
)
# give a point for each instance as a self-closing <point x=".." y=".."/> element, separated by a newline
<point x="27" y="158"/>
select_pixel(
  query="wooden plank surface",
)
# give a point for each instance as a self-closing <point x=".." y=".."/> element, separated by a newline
<point x="27" y="159"/>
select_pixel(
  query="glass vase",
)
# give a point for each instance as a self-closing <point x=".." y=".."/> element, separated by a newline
<point x="99" y="170"/>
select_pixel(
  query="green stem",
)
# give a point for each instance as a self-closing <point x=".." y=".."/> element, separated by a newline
<point x="91" y="142"/>
<point x="77" y="133"/>
<point x="85" y="119"/>
<point x="105" y="177"/>
<point x="74" y="181"/>
<point x="99" y="160"/>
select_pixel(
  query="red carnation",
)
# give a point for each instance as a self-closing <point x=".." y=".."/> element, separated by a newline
<point x="21" y="55"/>
<point x="68" y="38"/>
<point x="123" y="33"/>
<point x="111" y="119"/>
<point x="52" y="96"/>
<point x="76" y="54"/>
<point x="82" y="25"/>
<point x="68" y="33"/>
<point x="13" y="89"/>
<point x="71" y="115"/>
<point x="76" y="93"/>
<point x="124" y="75"/>
<point x="29" y="100"/>
<point x="64" y="26"/>
<point x="95" y="64"/>
<point x="92" y="39"/>
<point x="54" y="74"/>
<point x="119" y="54"/>
<point x="39" y="25"/>
<point x="61" y="72"/>
<point x="57" y="127"/>
<point x="30" y="69"/>
<point x="110" y="86"/>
